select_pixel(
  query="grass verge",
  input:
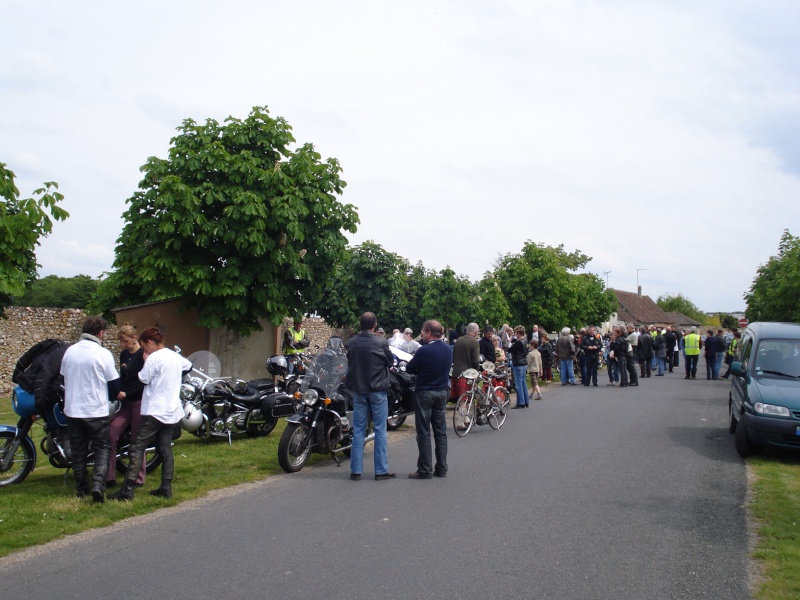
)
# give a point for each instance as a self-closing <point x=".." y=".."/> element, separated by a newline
<point x="775" y="506"/>
<point x="44" y="507"/>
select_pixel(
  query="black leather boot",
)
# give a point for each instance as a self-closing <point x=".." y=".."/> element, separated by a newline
<point x="125" y="492"/>
<point x="165" y="491"/>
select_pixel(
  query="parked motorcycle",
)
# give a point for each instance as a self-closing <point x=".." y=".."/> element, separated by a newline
<point x="322" y="423"/>
<point x="226" y="406"/>
<point x="18" y="450"/>
<point x="402" y="401"/>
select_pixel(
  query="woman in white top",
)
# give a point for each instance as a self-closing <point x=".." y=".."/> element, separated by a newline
<point x="161" y="410"/>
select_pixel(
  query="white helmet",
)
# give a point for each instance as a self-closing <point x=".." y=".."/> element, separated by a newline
<point x="192" y="417"/>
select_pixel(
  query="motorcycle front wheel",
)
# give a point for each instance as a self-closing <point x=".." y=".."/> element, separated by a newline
<point x="152" y="458"/>
<point x="293" y="452"/>
<point x="22" y="462"/>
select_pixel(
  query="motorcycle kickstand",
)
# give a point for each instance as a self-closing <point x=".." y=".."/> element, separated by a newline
<point x="336" y="458"/>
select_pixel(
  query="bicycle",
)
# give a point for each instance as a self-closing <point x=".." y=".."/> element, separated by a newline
<point x="483" y="403"/>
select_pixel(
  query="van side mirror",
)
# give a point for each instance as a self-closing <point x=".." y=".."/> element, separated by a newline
<point x="736" y="369"/>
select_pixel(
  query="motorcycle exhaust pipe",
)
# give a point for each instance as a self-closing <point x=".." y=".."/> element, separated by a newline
<point x="369" y="438"/>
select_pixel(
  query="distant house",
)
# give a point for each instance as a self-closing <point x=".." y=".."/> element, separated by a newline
<point x="682" y="321"/>
<point x="635" y="309"/>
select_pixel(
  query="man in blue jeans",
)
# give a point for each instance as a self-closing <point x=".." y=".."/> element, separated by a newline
<point x="431" y="364"/>
<point x="368" y="362"/>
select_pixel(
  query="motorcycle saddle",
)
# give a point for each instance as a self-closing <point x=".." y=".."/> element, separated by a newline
<point x="252" y="396"/>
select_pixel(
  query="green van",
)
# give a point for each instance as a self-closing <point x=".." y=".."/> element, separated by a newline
<point x="764" y="400"/>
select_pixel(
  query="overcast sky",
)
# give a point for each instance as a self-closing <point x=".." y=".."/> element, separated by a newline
<point x="662" y="137"/>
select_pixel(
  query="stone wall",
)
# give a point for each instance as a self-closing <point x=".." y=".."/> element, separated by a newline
<point x="25" y="327"/>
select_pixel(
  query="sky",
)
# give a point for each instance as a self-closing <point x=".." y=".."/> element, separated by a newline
<point x="662" y="139"/>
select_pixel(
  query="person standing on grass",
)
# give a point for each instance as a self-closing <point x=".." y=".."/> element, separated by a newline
<point x="431" y="364"/>
<point x="162" y="409"/>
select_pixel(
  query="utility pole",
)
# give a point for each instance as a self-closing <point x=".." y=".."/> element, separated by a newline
<point x="606" y="274"/>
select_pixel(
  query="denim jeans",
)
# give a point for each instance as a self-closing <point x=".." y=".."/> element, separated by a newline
<point x="430" y="413"/>
<point x="373" y="405"/>
<point x="589" y="369"/>
<point x="718" y="364"/>
<point x="660" y="365"/>
<point x="521" y="385"/>
<point x="613" y="371"/>
<point x="567" y="372"/>
<point x="711" y="367"/>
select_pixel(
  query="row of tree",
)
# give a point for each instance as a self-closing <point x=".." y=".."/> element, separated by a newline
<point x="243" y="228"/>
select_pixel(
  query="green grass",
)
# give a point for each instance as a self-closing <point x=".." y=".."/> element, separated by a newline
<point x="44" y="507"/>
<point x="775" y="506"/>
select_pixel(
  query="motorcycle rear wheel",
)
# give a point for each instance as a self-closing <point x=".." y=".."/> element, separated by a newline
<point x="22" y="463"/>
<point x="152" y="456"/>
<point x="263" y="429"/>
<point x="293" y="453"/>
<point x="395" y="422"/>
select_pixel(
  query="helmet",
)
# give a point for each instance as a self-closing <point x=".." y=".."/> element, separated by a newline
<point x="193" y="418"/>
<point x="277" y="366"/>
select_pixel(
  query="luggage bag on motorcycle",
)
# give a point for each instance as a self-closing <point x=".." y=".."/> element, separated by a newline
<point x="279" y="404"/>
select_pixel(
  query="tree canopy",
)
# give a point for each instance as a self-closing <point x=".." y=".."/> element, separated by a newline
<point x="682" y="304"/>
<point x="234" y="224"/>
<point x="59" y="292"/>
<point x="776" y="287"/>
<point x="540" y="287"/>
<point x="23" y="222"/>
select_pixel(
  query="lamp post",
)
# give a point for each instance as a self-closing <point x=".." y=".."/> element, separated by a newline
<point x="606" y="274"/>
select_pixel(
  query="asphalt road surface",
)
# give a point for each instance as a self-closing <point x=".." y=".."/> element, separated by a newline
<point x="590" y="494"/>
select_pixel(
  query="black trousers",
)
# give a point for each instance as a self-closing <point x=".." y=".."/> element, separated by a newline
<point x="83" y="432"/>
<point x="152" y="431"/>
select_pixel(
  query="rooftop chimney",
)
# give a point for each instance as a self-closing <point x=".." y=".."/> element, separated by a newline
<point x="640" y="291"/>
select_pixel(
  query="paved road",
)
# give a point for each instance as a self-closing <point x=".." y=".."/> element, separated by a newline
<point x="591" y="494"/>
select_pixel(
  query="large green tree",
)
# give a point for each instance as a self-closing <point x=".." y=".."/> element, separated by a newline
<point x="680" y="303"/>
<point x="60" y="292"/>
<point x="492" y="308"/>
<point x="234" y="223"/>
<point x="450" y="299"/>
<point x="369" y="278"/>
<point x="776" y="287"/>
<point x="23" y="222"/>
<point x="540" y="287"/>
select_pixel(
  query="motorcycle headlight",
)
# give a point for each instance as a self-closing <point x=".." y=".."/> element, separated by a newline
<point x="771" y="410"/>
<point x="187" y="391"/>
<point x="310" y="397"/>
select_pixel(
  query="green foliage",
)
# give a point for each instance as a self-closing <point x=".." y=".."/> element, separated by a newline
<point x="23" y="222"/>
<point x="776" y="288"/>
<point x="418" y="282"/>
<point x="679" y="303"/>
<point x="492" y="306"/>
<point x="59" y="292"/>
<point x="539" y="288"/>
<point x="450" y="299"/>
<point x="369" y="278"/>
<point x="728" y="321"/>
<point x="234" y="224"/>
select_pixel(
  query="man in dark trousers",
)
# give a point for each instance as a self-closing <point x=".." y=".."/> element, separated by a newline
<point x="431" y="364"/>
<point x="671" y="339"/>
<point x="368" y="362"/>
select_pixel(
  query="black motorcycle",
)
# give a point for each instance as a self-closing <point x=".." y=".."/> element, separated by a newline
<point x="402" y="401"/>
<point x="226" y="406"/>
<point x="18" y="450"/>
<point x="322" y="423"/>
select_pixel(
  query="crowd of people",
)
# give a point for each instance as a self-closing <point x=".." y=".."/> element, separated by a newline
<point x="147" y="385"/>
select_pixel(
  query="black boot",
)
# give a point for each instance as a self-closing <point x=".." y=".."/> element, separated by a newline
<point x="98" y="492"/>
<point x="165" y="491"/>
<point x="125" y="492"/>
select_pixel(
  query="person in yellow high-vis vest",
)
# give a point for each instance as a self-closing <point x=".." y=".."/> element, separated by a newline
<point x="691" y="350"/>
<point x="731" y="353"/>
<point x="295" y="341"/>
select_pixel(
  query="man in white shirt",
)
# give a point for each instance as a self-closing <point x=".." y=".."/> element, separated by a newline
<point x="90" y="379"/>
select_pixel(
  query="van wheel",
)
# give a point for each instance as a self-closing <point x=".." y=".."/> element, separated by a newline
<point x="732" y="421"/>
<point x="743" y="445"/>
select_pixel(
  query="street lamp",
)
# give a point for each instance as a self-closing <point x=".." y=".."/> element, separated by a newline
<point x="606" y="274"/>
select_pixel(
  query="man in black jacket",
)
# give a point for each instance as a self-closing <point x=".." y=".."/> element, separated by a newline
<point x="671" y="339"/>
<point x="485" y="344"/>
<point x="368" y="362"/>
<point x="644" y="352"/>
